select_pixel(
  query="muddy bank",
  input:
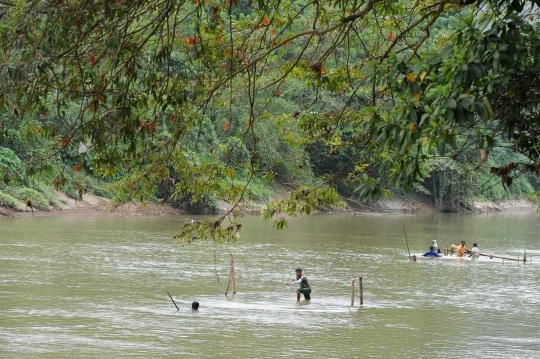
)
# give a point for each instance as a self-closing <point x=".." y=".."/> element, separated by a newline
<point x="90" y="205"/>
<point x="506" y="205"/>
<point x="397" y="205"/>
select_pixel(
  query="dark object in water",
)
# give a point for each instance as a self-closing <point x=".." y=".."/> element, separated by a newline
<point x="195" y="305"/>
<point x="173" y="301"/>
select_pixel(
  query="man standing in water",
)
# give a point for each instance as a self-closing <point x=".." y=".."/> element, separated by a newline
<point x="461" y="250"/>
<point x="305" y="289"/>
<point x="475" y="252"/>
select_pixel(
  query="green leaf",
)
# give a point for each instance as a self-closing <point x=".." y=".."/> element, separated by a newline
<point x="482" y="112"/>
<point x="413" y="117"/>
<point x="449" y="115"/>
<point x="281" y="223"/>
<point x="475" y="71"/>
<point x="467" y="103"/>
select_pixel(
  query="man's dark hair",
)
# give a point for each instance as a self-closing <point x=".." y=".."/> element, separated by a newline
<point x="298" y="269"/>
<point x="431" y="248"/>
<point x="195" y="305"/>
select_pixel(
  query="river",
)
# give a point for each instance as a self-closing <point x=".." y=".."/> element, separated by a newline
<point x="96" y="287"/>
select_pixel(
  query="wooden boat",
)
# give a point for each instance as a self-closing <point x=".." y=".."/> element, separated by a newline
<point x="483" y="258"/>
<point x="450" y="251"/>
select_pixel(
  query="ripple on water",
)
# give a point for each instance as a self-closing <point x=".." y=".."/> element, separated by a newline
<point x="98" y="288"/>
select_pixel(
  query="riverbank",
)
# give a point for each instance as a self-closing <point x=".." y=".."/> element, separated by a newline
<point x="92" y="204"/>
<point x="507" y="205"/>
<point x="399" y="205"/>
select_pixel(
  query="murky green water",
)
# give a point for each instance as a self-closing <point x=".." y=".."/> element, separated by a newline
<point x="89" y="287"/>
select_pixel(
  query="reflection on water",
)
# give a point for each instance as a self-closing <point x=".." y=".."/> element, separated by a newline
<point x="97" y="287"/>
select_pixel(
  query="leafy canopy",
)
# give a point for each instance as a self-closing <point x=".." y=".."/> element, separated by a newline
<point x="124" y="85"/>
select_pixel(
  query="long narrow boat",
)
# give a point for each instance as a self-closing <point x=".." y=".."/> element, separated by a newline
<point x="449" y="252"/>
<point x="483" y="258"/>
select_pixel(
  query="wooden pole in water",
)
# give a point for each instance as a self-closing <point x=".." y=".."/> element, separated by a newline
<point x="215" y="265"/>
<point x="228" y="284"/>
<point x="500" y="257"/>
<point x="407" y="241"/>
<point x="173" y="301"/>
<point x="230" y="274"/>
<point x="233" y="279"/>
<point x="361" y="291"/>
<point x="352" y="293"/>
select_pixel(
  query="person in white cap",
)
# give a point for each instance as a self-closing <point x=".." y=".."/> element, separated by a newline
<point x="436" y="246"/>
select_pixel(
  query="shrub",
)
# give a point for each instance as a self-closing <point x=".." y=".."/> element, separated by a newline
<point x="9" y="163"/>
<point x="37" y="198"/>
<point x="47" y="192"/>
<point x="8" y="159"/>
<point x="7" y="201"/>
<point x="207" y="205"/>
<point x="98" y="187"/>
<point x="71" y="192"/>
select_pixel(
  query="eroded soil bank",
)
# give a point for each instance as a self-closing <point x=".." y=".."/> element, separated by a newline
<point x="91" y="204"/>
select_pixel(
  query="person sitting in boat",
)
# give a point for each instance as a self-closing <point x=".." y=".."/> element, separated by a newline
<point x="436" y="246"/>
<point x="475" y="252"/>
<point x="431" y="253"/>
<point x="461" y="250"/>
<point x="305" y="288"/>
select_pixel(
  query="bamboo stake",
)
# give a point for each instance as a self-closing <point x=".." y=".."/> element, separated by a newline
<point x="230" y="275"/>
<point x="233" y="279"/>
<point x="407" y="241"/>
<point x="352" y="293"/>
<point x="361" y="291"/>
<point x="215" y="265"/>
<point x="173" y="301"/>
<point x="500" y="257"/>
<point x="228" y="284"/>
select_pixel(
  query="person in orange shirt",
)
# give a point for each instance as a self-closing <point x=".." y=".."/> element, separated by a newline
<point x="461" y="250"/>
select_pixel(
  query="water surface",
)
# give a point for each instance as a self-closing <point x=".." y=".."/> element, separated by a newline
<point x="96" y="286"/>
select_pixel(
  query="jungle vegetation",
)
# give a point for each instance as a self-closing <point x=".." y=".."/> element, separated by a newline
<point x="198" y="101"/>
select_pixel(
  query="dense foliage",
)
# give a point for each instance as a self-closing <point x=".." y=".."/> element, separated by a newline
<point x="199" y="101"/>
